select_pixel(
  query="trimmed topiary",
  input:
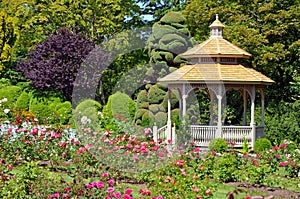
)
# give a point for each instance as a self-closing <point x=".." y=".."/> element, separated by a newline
<point x="174" y="101"/>
<point x="160" y="119"/>
<point x="144" y="105"/>
<point x="120" y="104"/>
<point x="261" y="145"/>
<point x="147" y="119"/>
<point x="156" y="95"/>
<point x="139" y="113"/>
<point x="142" y="97"/>
<point x="219" y="145"/>
<point x="154" y="108"/>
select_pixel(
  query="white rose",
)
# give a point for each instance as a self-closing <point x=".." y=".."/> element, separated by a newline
<point x="6" y="110"/>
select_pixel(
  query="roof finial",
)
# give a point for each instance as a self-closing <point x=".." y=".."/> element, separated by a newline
<point x="217" y="17"/>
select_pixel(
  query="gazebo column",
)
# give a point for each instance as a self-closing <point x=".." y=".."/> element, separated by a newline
<point x="211" y="108"/>
<point x="169" y="124"/>
<point x="252" y="123"/>
<point x="184" y="96"/>
<point x="219" y="125"/>
<point x="245" y="97"/>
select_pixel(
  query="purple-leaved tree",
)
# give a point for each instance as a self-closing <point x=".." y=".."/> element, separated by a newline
<point x="54" y="63"/>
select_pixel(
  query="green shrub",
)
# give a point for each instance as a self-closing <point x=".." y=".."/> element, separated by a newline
<point x="225" y="168"/>
<point x="11" y="93"/>
<point x="89" y="108"/>
<point x="64" y="112"/>
<point x="261" y="145"/>
<point x="219" y="145"/>
<point x="4" y="83"/>
<point x="120" y="104"/>
<point x="142" y="97"/>
<point x="43" y="108"/>
<point x="23" y="101"/>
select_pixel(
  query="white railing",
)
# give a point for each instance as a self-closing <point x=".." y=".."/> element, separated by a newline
<point x="165" y="134"/>
<point x="237" y="134"/>
<point x="160" y="133"/>
<point x="203" y="134"/>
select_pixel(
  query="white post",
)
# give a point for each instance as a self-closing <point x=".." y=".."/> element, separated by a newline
<point x="252" y="123"/>
<point x="219" y="96"/>
<point x="183" y="101"/>
<point x="155" y="135"/>
<point x="169" y="125"/>
<point x="245" y="107"/>
<point x="173" y="134"/>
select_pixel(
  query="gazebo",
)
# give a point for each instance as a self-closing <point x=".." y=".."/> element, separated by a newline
<point x="216" y="67"/>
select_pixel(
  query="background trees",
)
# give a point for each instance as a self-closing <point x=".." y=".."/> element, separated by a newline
<point x="269" y="30"/>
<point x="7" y="39"/>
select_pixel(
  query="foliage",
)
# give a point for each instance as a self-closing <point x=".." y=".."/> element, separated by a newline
<point x="159" y="8"/>
<point x="65" y="112"/>
<point x="7" y="38"/>
<point x="169" y="38"/>
<point x="218" y="145"/>
<point x="53" y="64"/>
<point x="261" y="145"/>
<point x="23" y="101"/>
<point x="282" y="122"/>
<point x="43" y="108"/>
<point x="119" y="104"/>
<point x="36" y="20"/>
<point x="11" y="93"/>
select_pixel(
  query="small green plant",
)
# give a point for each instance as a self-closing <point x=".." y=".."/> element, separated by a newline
<point x="261" y="145"/>
<point x="219" y="145"/>
<point x="245" y="146"/>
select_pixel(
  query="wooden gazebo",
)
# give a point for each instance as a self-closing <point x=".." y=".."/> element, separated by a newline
<point x="216" y="67"/>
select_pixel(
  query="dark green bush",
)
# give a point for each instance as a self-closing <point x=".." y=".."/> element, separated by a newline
<point x="261" y="145"/>
<point x="219" y="145"/>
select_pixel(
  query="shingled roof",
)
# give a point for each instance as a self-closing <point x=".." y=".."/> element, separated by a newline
<point x="216" y="73"/>
<point x="214" y="70"/>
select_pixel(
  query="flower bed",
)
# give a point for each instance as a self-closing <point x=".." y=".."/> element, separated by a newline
<point x="40" y="161"/>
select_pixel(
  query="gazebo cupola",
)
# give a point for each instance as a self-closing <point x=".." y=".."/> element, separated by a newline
<point x="216" y="29"/>
<point x="215" y="65"/>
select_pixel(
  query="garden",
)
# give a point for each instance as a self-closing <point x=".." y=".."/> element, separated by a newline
<point x="57" y="161"/>
<point x="79" y="96"/>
